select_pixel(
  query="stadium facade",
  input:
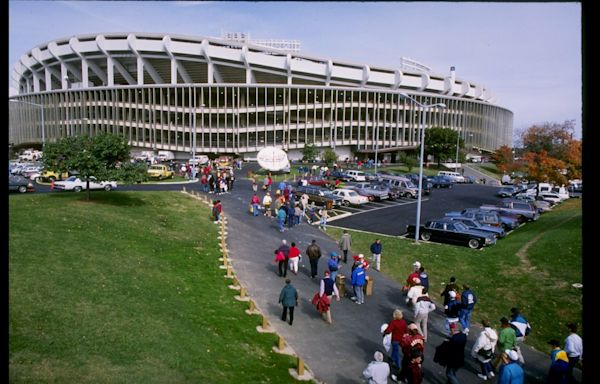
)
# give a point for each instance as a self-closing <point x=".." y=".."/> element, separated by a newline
<point x="171" y="92"/>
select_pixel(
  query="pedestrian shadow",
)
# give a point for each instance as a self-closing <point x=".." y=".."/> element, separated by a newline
<point x="307" y="308"/>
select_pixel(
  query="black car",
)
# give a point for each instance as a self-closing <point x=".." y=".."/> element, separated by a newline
<point x="319" y="196"/>
<point x="19" y="184"/>
<point x="446" y="230"/>
<point x="339" y="175"/>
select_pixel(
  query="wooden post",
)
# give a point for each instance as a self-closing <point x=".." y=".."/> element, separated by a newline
<point x="252" y="306"/>
<point x="242" y="292"/>
<point x="229" y="271"/>
<point x="281" y="343"/>
<point x="265" y="322"/>
<point x="235" y="281"/>
<point x="300" y="367"/>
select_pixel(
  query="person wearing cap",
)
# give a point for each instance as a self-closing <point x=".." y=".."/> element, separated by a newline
<point x="451" y="310"/>
<point x="451" y="286"/>
<point x="574" y="349"/>
<point x="559" y="368"/>
<point x="376" y="249"/>
<point x="328" y="288"/>
<point x="422" y="307"/>
<point x="414" y="292"/>
<point x="358" y="282"/>
<point x="511" y="371"/>
<point x="345" y="244"/>
<point x="378" y="371"/>
<point x="507" y="339"/>
<point x="410" y="280"/>
<point x="483" y="350"/>
<point x="456" y="352"/>
<point x="266" y="202"/>
<point x="360" y="259"/>
<point x="333" y="264"/>
<point x="413" y="346"/>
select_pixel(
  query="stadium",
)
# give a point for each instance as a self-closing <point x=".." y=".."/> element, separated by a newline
<point x="221" y="96"/>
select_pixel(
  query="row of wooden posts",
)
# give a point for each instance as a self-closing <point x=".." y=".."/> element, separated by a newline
<point x="301" y="372"/>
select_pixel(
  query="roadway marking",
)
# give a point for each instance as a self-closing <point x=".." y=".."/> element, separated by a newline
<point x="388" y="206"/>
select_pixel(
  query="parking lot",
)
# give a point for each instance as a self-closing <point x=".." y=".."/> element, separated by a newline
<point x="391" y="217"/>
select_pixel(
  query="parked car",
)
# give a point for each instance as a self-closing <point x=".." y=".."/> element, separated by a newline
<point x="20" y="184"/>
<point x="318" y="195"/>
<point x="446" y="230"/>
<point x="377" y="192"/>
<point x="159" y="171"/>
<point x="75" y="184"/>
<point x="350" y="197"/>
<point x="340" y="175"/>
<point x="403" y="186"/>
<point x="487" y="217"/>
<point x="476" y="224"/>
<point x="575" y="190"/>
<point x="356" y="175"/>
<point x="516" y="207"/>
<point x="318" y="181"/>
<point x="541" y="204"/>
<point x="441" y="182"/>
<point x="507" y="191"/>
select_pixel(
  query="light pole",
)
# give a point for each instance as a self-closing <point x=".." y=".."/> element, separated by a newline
<point x="42" y="111"/>
<point x="424" y="108"/>
<point x="376" y="146"/>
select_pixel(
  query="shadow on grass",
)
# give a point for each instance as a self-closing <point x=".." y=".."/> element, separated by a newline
<point x="100" y="197"/>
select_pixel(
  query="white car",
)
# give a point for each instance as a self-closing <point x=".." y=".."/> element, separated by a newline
<point x="350" y="197"/>
<point x="74" y="183"/>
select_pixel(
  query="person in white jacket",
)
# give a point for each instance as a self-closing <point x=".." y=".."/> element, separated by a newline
<point x="414" y="292"/>
<point x="377" y="372"/>
<point x="483" y="350"/>
<point x="423" y="305"/>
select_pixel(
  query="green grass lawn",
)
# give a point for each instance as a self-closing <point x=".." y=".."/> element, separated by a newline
<point x="126" y="288"/>
<point x="533" y="269"/>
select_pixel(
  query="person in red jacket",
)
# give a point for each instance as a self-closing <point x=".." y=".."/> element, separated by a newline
<point x="413" y="345"/>
<point x="397" y="327"/>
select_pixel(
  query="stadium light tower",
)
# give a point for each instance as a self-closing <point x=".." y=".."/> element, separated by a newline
<point x="194" y="164"/>
<point x="424" y="108"/>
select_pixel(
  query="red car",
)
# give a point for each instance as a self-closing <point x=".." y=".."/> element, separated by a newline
<point x="319" y="181"/>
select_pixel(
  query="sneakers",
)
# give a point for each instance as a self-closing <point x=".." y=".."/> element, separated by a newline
<point x="466" y="331"/>
<point x="482" y="376"/>
<point x="491" y="374"/>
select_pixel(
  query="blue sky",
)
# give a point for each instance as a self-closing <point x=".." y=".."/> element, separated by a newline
<point x="529" y="54"/>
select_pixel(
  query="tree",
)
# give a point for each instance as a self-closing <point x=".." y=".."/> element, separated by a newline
<point x="309" y="152"/>
<point x="441" y="143"/>
<point x="554" y="141"/>
<point x="329" y="156"/>
<point x="409" y="161"/>
<point x="543" y="168"/>
<point x="102" y="156"/>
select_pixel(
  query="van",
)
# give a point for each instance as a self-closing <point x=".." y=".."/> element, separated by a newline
<point x="455" y="176"/>
<point x="405" y="187"/>
<point x="198" y="160"/>
<point x="356" y="175"/>
<point x="166" y="155"/>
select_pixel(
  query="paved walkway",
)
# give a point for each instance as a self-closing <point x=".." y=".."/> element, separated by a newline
<point x="339" y="352"/>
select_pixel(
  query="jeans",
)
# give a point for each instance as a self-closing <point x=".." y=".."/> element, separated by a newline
<point x="395" y="352"/>
<point x="486" y="367"/>
<point x="283" y="268"/>
<point x="255" y="210"/>
<point x="281" y="224"/>
<point x="314" y="263"/>
<point x="359" y="293"/>
<point x="451" y="375"/>
<point x="333" y="274"/>
<point x="572" y="362"/>
<point x="464" y="317"/>
<point x="377" y="260"/>
<point x="345" y="255"/>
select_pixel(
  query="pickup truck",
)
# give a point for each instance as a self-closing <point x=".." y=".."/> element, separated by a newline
<point x="520" y="208"/>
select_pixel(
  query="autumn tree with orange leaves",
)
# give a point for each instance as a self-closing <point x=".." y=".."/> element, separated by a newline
<point x="550" y="153"/>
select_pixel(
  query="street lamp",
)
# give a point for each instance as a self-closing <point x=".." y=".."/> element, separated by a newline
<point x="424" y="108"/>
<point x="42" y="111"/>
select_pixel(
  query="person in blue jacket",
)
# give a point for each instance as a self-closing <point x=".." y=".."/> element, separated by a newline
<point x="358" y="281"/>
<point x="511" y="371"/>
<point x="376" y="248"/>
